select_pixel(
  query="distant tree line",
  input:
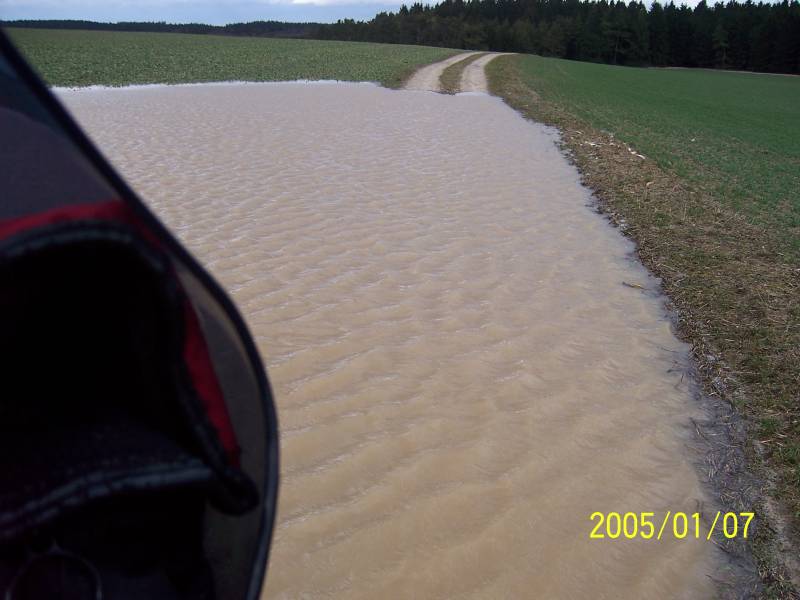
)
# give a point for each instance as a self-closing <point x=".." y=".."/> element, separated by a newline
<point x="256" y="28"/>
<point x="745" y="36"/>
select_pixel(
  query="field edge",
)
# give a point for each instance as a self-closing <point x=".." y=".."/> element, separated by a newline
<point x="619" y="179"/>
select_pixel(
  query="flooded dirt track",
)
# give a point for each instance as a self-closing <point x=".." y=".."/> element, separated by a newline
<point x="461" y="375"/>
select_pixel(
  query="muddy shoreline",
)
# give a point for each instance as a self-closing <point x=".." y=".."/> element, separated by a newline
<point x="731" y="455"/>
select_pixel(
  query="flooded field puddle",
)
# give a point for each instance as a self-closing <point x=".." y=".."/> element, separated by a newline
<point x="461" y="375"/>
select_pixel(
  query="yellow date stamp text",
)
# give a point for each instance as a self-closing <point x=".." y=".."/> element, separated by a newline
<point x="679" y="525"/>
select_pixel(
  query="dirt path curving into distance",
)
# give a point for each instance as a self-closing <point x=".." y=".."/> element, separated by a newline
<point x="427" y="78"/>
<point x="473" y="79"/>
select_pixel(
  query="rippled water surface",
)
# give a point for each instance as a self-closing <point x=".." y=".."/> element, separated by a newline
<point x="461" y="375"/>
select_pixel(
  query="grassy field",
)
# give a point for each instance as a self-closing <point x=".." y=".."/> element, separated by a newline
<point x="79" y="58"/>
<point x="735" y="135"/>
<point x="702" y="170"/>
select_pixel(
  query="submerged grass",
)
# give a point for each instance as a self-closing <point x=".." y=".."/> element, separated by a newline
<point x="81" y="58"/>
<point x="702" y="170"/>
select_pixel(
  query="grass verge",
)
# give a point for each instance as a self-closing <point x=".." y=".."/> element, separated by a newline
<point x="733" y="136"/>
<point x="724" y="247"/>
<point x="451" y="76"/>
<point x="81" y="58"/>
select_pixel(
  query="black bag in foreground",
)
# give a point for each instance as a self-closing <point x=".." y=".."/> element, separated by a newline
<point x="138" y="437"/>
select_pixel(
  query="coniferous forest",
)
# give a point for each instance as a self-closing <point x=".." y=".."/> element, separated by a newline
<point x="744" y="36"/>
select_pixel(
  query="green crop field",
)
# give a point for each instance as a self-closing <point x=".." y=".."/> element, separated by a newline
<point x="735" y="134"/>
<point x="79" y="58"/>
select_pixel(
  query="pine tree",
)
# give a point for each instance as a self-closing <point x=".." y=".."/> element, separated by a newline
<point x="720" y="41"/>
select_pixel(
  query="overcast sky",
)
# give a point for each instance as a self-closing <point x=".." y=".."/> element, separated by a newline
<point x="217" y="12"/>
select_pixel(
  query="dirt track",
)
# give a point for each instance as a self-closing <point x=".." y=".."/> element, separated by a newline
<point x="427" y="78"/>
<point x="473" y="78"/>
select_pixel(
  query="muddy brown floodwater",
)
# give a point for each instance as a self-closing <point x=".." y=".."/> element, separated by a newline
<point x="461" y="375"/>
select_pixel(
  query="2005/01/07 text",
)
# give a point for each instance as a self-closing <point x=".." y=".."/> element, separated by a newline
<point x="679" y="525"/>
